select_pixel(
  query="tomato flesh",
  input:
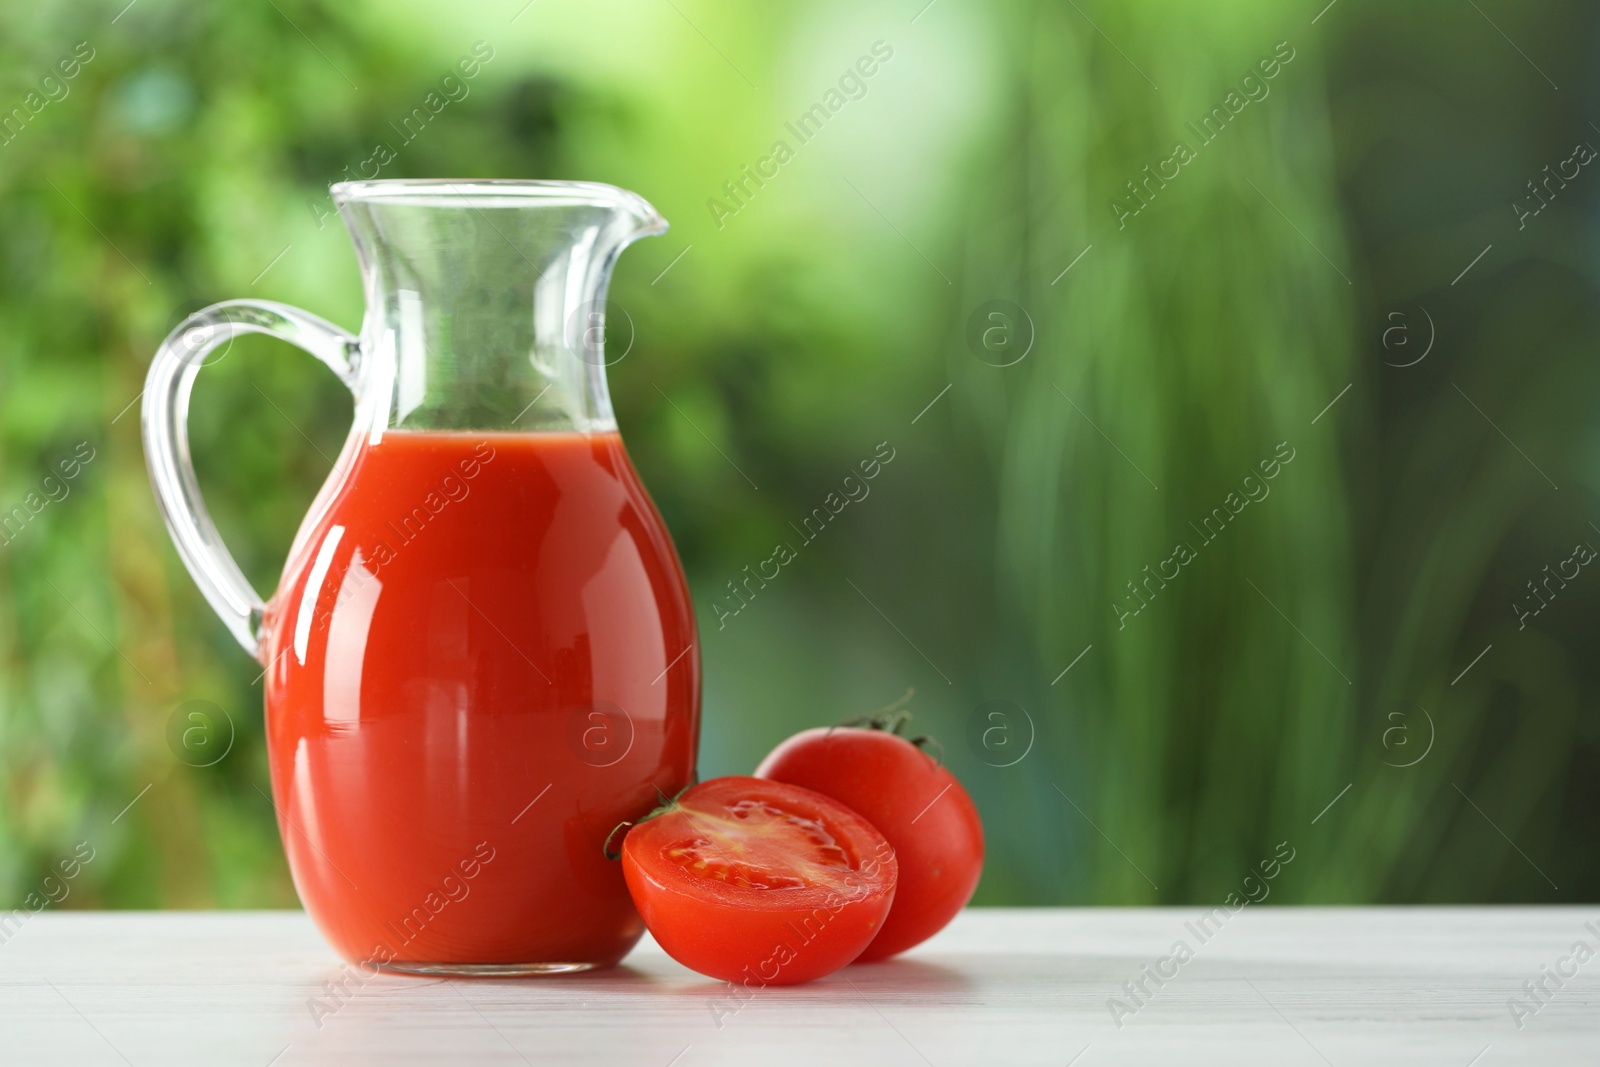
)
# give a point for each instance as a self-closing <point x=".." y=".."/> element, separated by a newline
<point x="760" y="882"/>
<point x="795" y="852"/>
<point x="914" y="801"/>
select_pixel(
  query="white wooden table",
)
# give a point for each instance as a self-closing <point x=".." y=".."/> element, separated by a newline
<point x="1274" y="985"/>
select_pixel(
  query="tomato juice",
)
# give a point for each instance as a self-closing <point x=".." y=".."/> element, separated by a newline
<point x="480" y="660"/>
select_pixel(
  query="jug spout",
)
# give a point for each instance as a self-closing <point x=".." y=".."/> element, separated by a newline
<point x="643" y="219"/>
<point x="486" y="300"/>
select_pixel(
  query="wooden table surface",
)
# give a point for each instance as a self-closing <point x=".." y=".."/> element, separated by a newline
<point x="1274" y="985"/>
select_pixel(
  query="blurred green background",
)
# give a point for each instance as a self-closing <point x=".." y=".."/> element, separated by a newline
<point x="1072" y="373"/>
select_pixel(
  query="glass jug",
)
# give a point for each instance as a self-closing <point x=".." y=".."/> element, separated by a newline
<point x="481" y="656"/>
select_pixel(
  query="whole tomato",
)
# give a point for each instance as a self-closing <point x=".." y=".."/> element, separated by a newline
<point x="914" y="801"/>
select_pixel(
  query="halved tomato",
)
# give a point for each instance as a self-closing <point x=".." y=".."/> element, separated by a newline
<point x="759" y="882"/>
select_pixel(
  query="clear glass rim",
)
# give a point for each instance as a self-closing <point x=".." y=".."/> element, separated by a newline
<point x="478" y="193"/>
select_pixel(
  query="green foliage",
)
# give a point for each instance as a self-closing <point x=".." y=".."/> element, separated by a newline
<point x="187" y="164"/>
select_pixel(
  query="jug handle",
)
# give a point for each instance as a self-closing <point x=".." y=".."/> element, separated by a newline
<point x="165" y="415"/>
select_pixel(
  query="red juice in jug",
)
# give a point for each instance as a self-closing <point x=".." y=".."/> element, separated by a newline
<point x="481" y="662"/>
